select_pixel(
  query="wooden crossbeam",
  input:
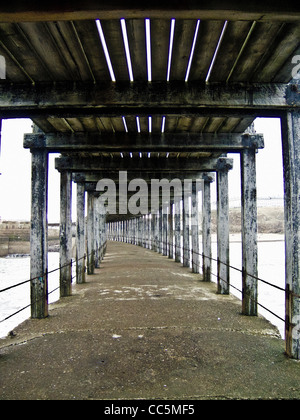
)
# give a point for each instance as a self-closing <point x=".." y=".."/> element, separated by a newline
<point x="138" y="142"/>
<point x="107" y="165"/>
<point x="94" y="177"/>
<point x="138" y="98"/>
<point x="115" y="9"/>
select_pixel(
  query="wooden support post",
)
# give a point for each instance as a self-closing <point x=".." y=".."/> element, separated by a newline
<point x="206" y="228"/>
<point x="177" y="230"/>
<point x="195" y="229"/>
<point x="157" y="231"/>
<point x="133" y="231"/>
<point x="97" y="231"/>
<point x="186" y="230"/>
<point x="170" y="230"/>
<point x="165" y="232"/>
<point x="143" y="231"/>
<point x="90" y="234"/>
<point x="160" y="236"/>
<point x="39" y="234"/>
<point x="249" y="232"/>
<point x="153" y="230"/>
<point x="80" y="235"/>
<point x="291" y="167"/>
<point x="102" y="231"/>
<point x="65" y="235"/>
<point x="223" y="230"/>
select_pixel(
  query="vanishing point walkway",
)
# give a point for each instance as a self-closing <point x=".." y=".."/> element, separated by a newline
<point x="144" y="327"/>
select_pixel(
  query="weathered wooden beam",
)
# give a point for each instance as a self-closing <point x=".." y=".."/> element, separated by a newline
<point x="78" y="10"/>
<point x="156" y="98"/>
<point x="125" y="142"/>
<point x="139" y="164"/>
<point x="116" y="176"/>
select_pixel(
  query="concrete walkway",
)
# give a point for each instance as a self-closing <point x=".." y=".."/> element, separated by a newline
<point x="144" y="327"/>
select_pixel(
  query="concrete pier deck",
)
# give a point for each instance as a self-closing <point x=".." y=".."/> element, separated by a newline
<point x="144" y="327"/>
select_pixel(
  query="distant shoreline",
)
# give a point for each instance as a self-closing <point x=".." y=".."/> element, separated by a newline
<point x="15" y="235"/>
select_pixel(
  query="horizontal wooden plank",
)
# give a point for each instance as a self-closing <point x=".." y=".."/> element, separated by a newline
<point x="158" y="96"/>
<point x="153" y="164"/>
<point x="114" y="9"/>
<point x="180" y="142"/>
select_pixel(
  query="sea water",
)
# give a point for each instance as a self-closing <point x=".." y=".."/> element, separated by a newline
<point x="16" y="269"/>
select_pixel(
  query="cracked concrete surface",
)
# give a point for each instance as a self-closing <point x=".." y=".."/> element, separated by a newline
<point x="144" y="327"/>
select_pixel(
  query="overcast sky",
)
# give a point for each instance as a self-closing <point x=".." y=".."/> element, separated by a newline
<point x="15" y="167"/>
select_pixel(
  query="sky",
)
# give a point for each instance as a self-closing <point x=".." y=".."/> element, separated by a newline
<point x="15" y="169"/>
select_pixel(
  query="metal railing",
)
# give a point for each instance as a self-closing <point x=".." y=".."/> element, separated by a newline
<point x="101" y="251"/>
<point x="160" y="245"/>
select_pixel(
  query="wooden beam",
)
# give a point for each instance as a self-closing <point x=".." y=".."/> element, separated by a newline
<point x="141" y="164"/>
<point x="32" y="10"/>
<point x="124" y="142"/>
<point x="154" y="98"/>
<point x="87" y="177"/>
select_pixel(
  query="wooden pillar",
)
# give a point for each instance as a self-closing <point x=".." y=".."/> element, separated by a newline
<point x="160" y="222"/>
<point x="65" y="235"/>
<point x="223" y="229"/>
<point x="165" y="231"/>
<point x="206" y="228"/>
<point x="170" y="229"/>
<point x="177" y="230"/>
<point x="195" y="229"/>
<point x="80" y="235"/>
<point x="143" y="217"/>
<point x="90" y="234"/>
<point x="291" y="167"/>
<point x="102" y="230"/>
<point x="186" y="229"/>
<point x="249" y="232"/>
<point x="153" y="231"/>
<point x="39" y="234"/>
<point x="97" y="231"/>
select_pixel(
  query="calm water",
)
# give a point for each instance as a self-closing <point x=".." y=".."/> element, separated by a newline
<point x="271" y="269"/>
<point x="14" y="270"/>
